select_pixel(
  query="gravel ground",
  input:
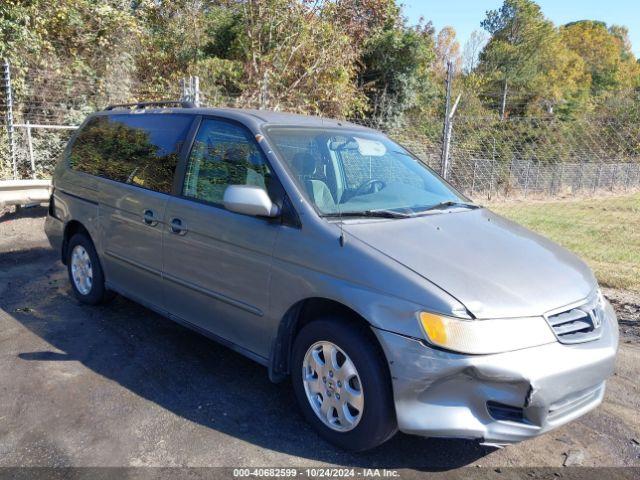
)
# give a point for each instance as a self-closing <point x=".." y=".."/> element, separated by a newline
<point x="627" y="306"/>
<point x="118" y="385"/>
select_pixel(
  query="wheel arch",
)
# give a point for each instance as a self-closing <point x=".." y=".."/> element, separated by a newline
<point x="70" y="229"/>
<point x="296" y="317"/>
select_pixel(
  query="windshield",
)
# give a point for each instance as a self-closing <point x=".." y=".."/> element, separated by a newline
<point x="344" y="172"/>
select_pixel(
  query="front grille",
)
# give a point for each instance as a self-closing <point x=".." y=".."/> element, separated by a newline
<point x="579" y="324"/>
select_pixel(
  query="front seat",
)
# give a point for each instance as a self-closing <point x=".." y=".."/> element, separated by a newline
<point x="306" y="166"/>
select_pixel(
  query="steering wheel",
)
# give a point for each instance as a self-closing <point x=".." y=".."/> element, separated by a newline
<point x="370" y="186"/>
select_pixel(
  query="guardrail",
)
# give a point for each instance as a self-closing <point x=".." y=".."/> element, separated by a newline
<point x="24" y="192"/>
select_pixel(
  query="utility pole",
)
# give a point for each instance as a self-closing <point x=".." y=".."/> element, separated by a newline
<point x="6" y="74"/>
<point x="448" y="122"/>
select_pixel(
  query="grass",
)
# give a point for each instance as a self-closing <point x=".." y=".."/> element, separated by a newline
<point x="605" y="232"/>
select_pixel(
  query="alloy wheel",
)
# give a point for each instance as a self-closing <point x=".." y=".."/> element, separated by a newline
<point x="333" y="386"/>
<point x="81" y="269"/>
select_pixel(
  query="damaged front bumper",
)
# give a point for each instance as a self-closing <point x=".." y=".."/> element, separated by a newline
<point x="502" y="398"/>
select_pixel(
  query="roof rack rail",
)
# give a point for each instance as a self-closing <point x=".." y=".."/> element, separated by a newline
<point x="165" y="103"/>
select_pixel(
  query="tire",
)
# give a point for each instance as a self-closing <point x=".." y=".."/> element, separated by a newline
<point x="87" y="264"/>
<point x="364" y="428"/>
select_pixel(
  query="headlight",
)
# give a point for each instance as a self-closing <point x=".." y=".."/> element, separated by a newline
<point x="485" y="336"/>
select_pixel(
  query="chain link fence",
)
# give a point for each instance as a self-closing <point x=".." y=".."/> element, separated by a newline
<point x="487" y="157"/>
<point x="544" y="157"/>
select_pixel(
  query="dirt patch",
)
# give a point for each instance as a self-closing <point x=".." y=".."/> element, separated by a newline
<point x="627" y="307"/>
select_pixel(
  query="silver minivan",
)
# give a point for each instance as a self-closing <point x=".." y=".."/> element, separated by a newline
<point x="332" y="255"/>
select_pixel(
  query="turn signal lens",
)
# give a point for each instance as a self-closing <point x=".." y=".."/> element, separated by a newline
<point x="485" y="336"/>
<point x="435" y="328"/>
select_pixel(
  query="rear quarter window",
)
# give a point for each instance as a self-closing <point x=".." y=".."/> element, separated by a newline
<point x="136" y="149"/>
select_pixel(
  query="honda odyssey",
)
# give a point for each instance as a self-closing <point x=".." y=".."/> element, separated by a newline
<point x="332" y="255"/>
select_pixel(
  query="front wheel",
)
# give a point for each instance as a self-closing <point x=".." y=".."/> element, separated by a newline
<point x="342" y="384"/>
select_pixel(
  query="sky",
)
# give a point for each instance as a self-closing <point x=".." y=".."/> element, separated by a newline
<point x="465" y="15"/>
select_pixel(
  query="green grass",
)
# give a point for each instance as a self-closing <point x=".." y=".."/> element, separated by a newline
<point x="605" y="232"/>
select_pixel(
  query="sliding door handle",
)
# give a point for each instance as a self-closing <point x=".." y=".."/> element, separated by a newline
<point x="178" y="227"/>
<point x="149" y="218"/>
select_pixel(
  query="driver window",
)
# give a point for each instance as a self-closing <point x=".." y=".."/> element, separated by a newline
<point x="223" y="154"/>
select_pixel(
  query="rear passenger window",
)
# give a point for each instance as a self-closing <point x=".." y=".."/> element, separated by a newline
<point x="137" y="149"/>
<point x="223" y="154"/>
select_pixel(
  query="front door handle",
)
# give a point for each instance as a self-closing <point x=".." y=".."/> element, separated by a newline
<point x="178" y="227"/>
<point x="149" y="218"/>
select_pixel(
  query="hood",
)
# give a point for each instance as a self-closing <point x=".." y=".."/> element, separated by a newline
<point x="494" y="267"/>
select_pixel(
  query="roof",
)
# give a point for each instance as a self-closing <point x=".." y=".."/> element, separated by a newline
<point x="260" y="117"/>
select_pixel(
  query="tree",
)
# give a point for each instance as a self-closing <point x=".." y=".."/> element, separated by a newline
<point x="303" y="58"/>
<point x="72" y="51"/>
<point x="519" y="32"/>
<point x="173" y="39"/>
<point x="447" y="48"/>
<point x="527" y="56"/>
<point x="471" y="51"/>
<point x="396" y="64"/>
<point x="606" y="53"/>
<point x="362" y="19"/>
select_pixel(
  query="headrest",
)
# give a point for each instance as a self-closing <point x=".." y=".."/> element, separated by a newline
<point x="304" y="163"/>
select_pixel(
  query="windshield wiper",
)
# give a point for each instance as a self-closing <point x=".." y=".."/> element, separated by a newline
<point x="368" y="213"/>
<point x="450" y="203"/>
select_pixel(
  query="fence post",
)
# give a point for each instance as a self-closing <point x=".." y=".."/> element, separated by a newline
<point x="493" y="169"/>
<point x="507" y="186"/>
<point x="526" y="178"/>
<point x="446" y="130"/>
<point x="539" y="187"/>
<point x="578" y="182"/>
<point x="596" y="184"/>
<point x="503" y="104"/>
<point x="6" y="73"/>
<point x="190" y="90"/>
<point x="559" y="185"/>
<point x="264" y="90"/>
<point x="614" y="173"/>
<point x="183" y="90"/>
<point x="196" y="90"/>
<point x="30" y="145"/>
<point x="473" y="177"/>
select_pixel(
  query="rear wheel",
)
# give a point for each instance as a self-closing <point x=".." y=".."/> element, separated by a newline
<point x="342" y="384"/>
<point x="85" y="271"/>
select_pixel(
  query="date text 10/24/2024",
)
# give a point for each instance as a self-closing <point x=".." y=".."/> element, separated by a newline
<point x="315" y="473"/>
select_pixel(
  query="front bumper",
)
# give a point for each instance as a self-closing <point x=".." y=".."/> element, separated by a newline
<point x="503" y="398"/>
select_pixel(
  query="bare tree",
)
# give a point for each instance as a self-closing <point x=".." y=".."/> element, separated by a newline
<point x="447" y="49"/>
<point x="472" y="48"/>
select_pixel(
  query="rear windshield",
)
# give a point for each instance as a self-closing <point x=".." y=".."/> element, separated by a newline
<point x="137" y="149"/>
<point x="343" y="171"/>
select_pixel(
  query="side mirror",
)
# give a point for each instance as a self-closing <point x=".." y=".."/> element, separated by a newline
<point x="249" y="200"/>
